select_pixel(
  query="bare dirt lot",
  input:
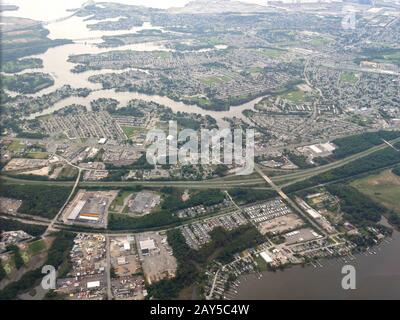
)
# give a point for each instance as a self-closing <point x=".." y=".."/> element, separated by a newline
<point x="281" y="224"/>
<point x="157" y="263"/>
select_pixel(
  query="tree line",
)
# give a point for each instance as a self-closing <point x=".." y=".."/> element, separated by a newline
<point x="44" y="201"/>
<point x="58" y="256"/>
<point x="374" y="161"/>
<point x="191" y="263"/>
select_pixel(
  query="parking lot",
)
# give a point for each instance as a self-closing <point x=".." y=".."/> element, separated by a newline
<point x="198" y="234"/>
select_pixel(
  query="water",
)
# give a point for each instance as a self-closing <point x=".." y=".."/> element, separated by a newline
<point x="378" y="277"/>
<point x="75" y="28"/>
<point x="55" y="62"/>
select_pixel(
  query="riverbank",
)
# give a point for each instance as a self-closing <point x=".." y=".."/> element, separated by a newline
<point x="377" y="277"/>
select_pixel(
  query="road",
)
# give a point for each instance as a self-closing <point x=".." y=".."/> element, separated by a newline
<point x="290" y="201"/>
<point x="50" y="227"/>
<point x="108" y="268"/>
<point x="209" y="296"/>
<point x="28" y="221"/>
<point x="390" y="145"/>
<point x="254" y="183"/>
<point x="315" y="109"/>
<point x="218" y="183"/>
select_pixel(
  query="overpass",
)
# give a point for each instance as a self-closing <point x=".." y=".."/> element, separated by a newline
<point x="289" y="201"/>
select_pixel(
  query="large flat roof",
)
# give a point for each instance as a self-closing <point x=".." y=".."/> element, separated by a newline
<point x="75" y="212"/>
<point x="266" y="257"/>
<point x="147" y="244"/>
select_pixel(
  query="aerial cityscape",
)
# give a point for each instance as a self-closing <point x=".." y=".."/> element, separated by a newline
<point x="200" y="150"/>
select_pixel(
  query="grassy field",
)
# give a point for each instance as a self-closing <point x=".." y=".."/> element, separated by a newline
<point x="349" y="77"/>
<point x="383" y="188"/>
<point x="68" y="172"/>
<point x="261" y="264"/>
<point x="296" y="96"/>
<point x="320" y="41"/>
<point x="215" y="79"/>
<point x="129" y="131"/>
<point x="201" y="102"/>
<point x="271" y="53"/>
<point x="15" y="146"/>
<point x="393" y="57"/>
<point x="162" y="54"/>
<point x="119" y="200"/>
<point x="38" y="155"/>
<point x="9" y="266"/>
<point x="36" y="247"/>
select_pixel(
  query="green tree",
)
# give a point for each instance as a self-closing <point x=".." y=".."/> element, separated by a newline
<point x="19" y="262"/>
<point x="3" y="273"/>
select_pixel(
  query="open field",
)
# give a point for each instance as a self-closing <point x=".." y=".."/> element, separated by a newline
<point x="215" y="79"/>
<point x="272" y="53"/>
<point x="320" y="41"/>
<point x="36" y="247"/>
<point x="37" y="155"/>
<point x="383" y="188"/>
<point x="129" y="131"/>
<point x="349" y="77"/>
<point x="15" y="146"/>
<point x="296" y="96"/>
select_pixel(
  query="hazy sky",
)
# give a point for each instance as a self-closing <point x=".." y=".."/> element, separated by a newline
<point x="53" y="6"/>
<point x="50" y="9"/>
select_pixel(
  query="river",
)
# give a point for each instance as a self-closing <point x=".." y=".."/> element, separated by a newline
<point x="55" y="63"/>
<point x="377" y="277"/>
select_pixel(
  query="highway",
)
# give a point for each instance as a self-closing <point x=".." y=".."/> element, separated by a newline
<point x="218" y="183"/>
<point x="289" y="201"/>
<point x="50" y="227"/>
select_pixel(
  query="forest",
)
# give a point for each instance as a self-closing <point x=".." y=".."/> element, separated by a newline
<point x="11" y="225"/>
<point x="358" y="143"/>
<point x="358" y="208"/>
<point x="245" y="196"/>
<point x="35" y="199"/>
<point x="374" y="161"/>
<point x="223" y="246"/>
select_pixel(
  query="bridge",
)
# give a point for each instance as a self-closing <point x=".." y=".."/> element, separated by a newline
<point x="390" y="145"/>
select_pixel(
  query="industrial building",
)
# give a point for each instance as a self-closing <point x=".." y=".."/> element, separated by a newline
<point x="89" y="207"/>
<point x="147" y="245"/>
